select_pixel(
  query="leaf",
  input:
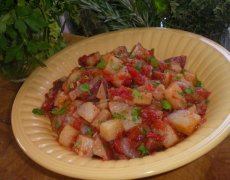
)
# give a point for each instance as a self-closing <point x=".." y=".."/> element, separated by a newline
<point x="19" y="54"/>
<point x="20" y="26"/>
<point x="23" y="11"/>
<point x="2" y="27"/>
<point x="36" y="21"/>
<point x="11" y="32"/>
<point x="166" y="105"/>
<point x="84" y="88"/>
<point x="11" y="53"/>
<point x="136" y="94"/>
<point x="3" y="43"/>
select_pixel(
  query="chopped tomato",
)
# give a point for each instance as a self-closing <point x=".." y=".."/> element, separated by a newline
<point x="123" y="92"/>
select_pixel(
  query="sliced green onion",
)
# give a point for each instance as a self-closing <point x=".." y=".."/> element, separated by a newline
<point x="71" y="85"/>
<point x="166" y="105"/>
<point x="84" y="88"/>
<point x="121" y="116"/>
<point x="90" y="132"/>
<point x="135" y="114"/>
<point x="38" y="111"/>
<point x="189" y="90"/>
<point x="139" y="65"/>
<point x="143" y="150"/>
<point x="136" y="94"/>
<point x="101" y="64"/>
<point x="198" y="83"/>
<point x="154" y="62"/>
<point x="156" y="83"/>
<point x="56" y="111"/>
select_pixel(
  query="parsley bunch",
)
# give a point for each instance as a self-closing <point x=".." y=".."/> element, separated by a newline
<point x="29" y="33"/>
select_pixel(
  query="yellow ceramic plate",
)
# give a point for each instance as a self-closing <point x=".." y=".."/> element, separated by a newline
<point x="207" y="59"/>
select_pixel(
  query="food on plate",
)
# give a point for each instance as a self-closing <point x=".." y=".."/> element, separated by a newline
<point x="123" y="105"/>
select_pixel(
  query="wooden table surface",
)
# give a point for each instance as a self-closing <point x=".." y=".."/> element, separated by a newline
<point x="15" y="165"/>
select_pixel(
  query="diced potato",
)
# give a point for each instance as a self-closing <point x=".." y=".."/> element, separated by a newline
<point x="101" y="93"/>
<point x="184" y="121"/>
<point x="144" y="99"/>
<point x="120" y="77"/>
<point x="67" y="135"/>
<point x="113" y="64"/>
<point x="60" y="99"/>
<point x="190" y="77"/>
<point x="158" y="92"/>
<point x="84" y="146"/>
<point x="99" y="149"/>
<point x="139" y="51"/>
<point x="193" y="109"/>
<point x="175" y="67"/>
<point x="129" y="121"/>
<point x="173" y="95"/>
<point x="103" y="115"/>
<point x="88" y="111"/>
<point x="72" y="78"/>
<point x="109" y="130"/>
<point x="170" y="137"/>
<point x="103" y="104"/>
<point x="118" y="107"/>
<point x="89" y="60"/>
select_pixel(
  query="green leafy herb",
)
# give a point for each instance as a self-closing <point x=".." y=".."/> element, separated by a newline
<point x="101" y="64"/>
<point x="153" y="49"/>
<point x="156" y="83"/>
<point x="84" y="88"/>
<point x="177" y="77"/>
<point x="38" y="111"/>
<point x="143" y="131"/>
<point x="56" y="111"/>
<point x="189" y="90"/>
<point x="154" y="62"/>
<point x="198" y="83"/>
<point x="143" y="150"/>
<point x="139" y="65"/>
<point x="71" y="85"/>
<point x="76" y="144"/>
<point x="135" y="114"/>
<point x="166" y="105"/>
<point x="131" y="56"/>
<point x="90" y="132"/>
<point x="121" y="116"/>
<point x="56" y="124"/>
<point x="136" y="94"/>
<point x="181" y="93"/>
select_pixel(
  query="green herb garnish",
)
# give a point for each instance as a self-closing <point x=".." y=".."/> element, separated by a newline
<point x="189" y="90"/>
<point x="84" y="88"/>
<point x="135" y="114"/>
<point x="144" y="131"/>
<point x="166" y="105"/>
<point x="71" y="85"/>
<point x="139" y="65"/>
<point x="76" y="144"/>
<point x="181" y="93"/>
<point x="131" y="56"/>
<point x="90" y="132"/>
<point x="121" y="116"/>
<point x="57" y="124"/>
<point x="136" y="94"/>
<point x="143" y="150"/>
<point x="56" y="111"/>
<point x="38" y="111"/>
<point x="101" y="64"/>
<point x="198" y="83"/>
<point x="177" y="77"/>
<point x="156" y="83"/>
<point x="154" y="62"/>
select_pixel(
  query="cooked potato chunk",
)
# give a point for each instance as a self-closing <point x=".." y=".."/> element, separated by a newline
<point x="99" y="149"/>
<point x="101" y="93"/>
<point x="113" y="64"/>
<point x="67" y="135"/>
<point x="173" y="95"/>
<point x="118" y="107"/>
<point x="88" y="111"/>
<point x="170" y="137"/>
<point x="190" y="77"/>
<point x="102" y="116"/>
<point x="72" y="78"/>
<point x="158" y="92"/>
<point x="60" y="99"/>
<point x="109" y="130"/>
<point x="184" y="121"/>
<point x="130" y="121"/>
<point x="144" y="99"/>
<point x="84" y="146"/>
